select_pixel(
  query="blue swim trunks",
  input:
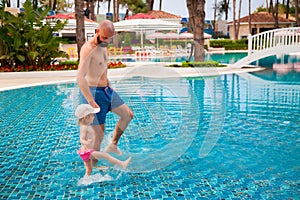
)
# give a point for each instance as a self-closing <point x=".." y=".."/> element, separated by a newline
<point x="107" y="99"/>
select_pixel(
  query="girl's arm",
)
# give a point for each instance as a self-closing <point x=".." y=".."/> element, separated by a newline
<point x="83" y="136"/>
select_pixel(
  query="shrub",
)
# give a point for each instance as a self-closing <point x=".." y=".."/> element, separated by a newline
<point x="66" y="65"/>
<point x="230" y="44"/>
<point x="198" y="64"/>
<point x="27" y="39"/>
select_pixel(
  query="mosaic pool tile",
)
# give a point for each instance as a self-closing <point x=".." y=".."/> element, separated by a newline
<point x="255" y="156"/>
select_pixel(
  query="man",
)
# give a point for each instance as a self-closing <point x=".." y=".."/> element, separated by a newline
<point x="95" y="87"/>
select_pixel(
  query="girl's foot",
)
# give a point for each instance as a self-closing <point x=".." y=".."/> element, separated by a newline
<point x="126" y="163"/>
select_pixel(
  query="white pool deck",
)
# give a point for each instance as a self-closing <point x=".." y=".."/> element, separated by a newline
<point x="13" y="80"/>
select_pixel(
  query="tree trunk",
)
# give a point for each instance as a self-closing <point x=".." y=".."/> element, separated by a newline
<point x="287" y="9"/>
<point x="160" y="4"/>
<point x="108" y="7"/>
<point x="297" y="12"/>
<point x="54" y="5"/>
<point x="227" y="10"/>
<point x="92" y="9"/>
<point x="276" y="14"/>
<point x="150" y="5"/>
<point x="116" y="11"/>
<point x="271" y="8"/>
<point x="8" y="3"/>
<point x="50" y="4"/>
<point x="18" y="3"/>
<point x="233" y="16"/>
<point x="267" y="6"/>
<point x="249" y="17"/>
<point x="215" y="15"/>
<point x="197" y="18"/>
<point x="238" y="23"/>
<point x="80" y="34"/>
<point x="34" y="3"/>
<point x="98" y="7"/>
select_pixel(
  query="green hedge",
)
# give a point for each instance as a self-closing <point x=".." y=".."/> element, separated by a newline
<point x="219" y="43"/>
<point x="68" y="63"/>
<point x="229" y="44"/>
<point x="198" y="64"/>
<point x="236" y="47"/>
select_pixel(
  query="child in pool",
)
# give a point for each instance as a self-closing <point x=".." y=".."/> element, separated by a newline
<point x="85" y="114"/>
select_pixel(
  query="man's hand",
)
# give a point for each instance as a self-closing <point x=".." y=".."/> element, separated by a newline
<point x="94" y="104"/>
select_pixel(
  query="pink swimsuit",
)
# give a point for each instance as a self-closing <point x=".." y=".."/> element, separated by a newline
<point x="85" y="155"/>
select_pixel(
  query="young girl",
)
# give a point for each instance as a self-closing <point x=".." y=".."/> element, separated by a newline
<point x="85" y="114"/>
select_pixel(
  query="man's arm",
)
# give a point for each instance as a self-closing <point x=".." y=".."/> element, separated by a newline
<point x="83" y="67"/>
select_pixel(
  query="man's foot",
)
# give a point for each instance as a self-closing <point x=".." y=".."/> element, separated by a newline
<point x="113" y="148"/>
<point x="126" y="163"/>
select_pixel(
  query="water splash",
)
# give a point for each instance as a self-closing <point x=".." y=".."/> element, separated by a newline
<point x="95" y="178"/>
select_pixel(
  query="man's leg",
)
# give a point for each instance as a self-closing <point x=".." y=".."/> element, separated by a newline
<point x="126" y="115"/>
<point x="98" y="134"/>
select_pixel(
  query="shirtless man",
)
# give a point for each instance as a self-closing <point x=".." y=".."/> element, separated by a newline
<point x="95" y="87"/>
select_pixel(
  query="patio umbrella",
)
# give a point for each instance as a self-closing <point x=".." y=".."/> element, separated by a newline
<point x="172" y="36"/>
<point x="141" y="25"/>
<point x="188" y="35"/>
<point x="156" y="35"/>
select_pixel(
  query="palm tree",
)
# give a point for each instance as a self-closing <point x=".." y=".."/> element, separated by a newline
<point x="150" y="4"/>
<point x="297" y="12"/>
<point x="116" y="10"/>
<point x="197" y="19"/>
<point x="276" y="14"/>
<point x="223" y="7"/>
<point x="80" y="33"/>
<point x="92" y="9"/>
<point x="108" y="7"/>
<point x="287" y="9"/>
<point x="160" y="4"/>
<point x="236" y="25"/>
<point x="249" y="17"/>
<point x="215" y="14"/>
<point x="233" y="15"/>
<point x="239" y="17"/>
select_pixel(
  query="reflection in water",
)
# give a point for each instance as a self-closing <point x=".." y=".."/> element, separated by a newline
<point x="284" y="68"/>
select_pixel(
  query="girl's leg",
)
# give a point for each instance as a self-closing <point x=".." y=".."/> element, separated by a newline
<point x="113" y="160"/>
<point x="88" y="167"/>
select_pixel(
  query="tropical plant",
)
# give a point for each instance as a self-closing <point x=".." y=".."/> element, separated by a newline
<point x="135" y="6"/>
<point x="57" y="5"/>
<point x="223" y="7"/>
<point x="28" y="39"/>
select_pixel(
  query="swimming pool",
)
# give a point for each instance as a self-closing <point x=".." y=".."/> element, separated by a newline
<point x="227" y="58"/>
<point x="224" y="137"/>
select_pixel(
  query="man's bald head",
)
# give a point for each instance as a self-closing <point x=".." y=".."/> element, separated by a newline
<point x="107" y="27"/>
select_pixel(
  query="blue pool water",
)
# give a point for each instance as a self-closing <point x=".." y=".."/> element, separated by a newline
<point x="220" y="57"/>
<point x="224" y="137"/>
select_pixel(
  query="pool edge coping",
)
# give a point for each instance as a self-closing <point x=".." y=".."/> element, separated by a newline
<point x="70" y="75"/>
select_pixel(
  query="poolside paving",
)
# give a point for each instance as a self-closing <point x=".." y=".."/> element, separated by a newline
<point x="12" y="80"/>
